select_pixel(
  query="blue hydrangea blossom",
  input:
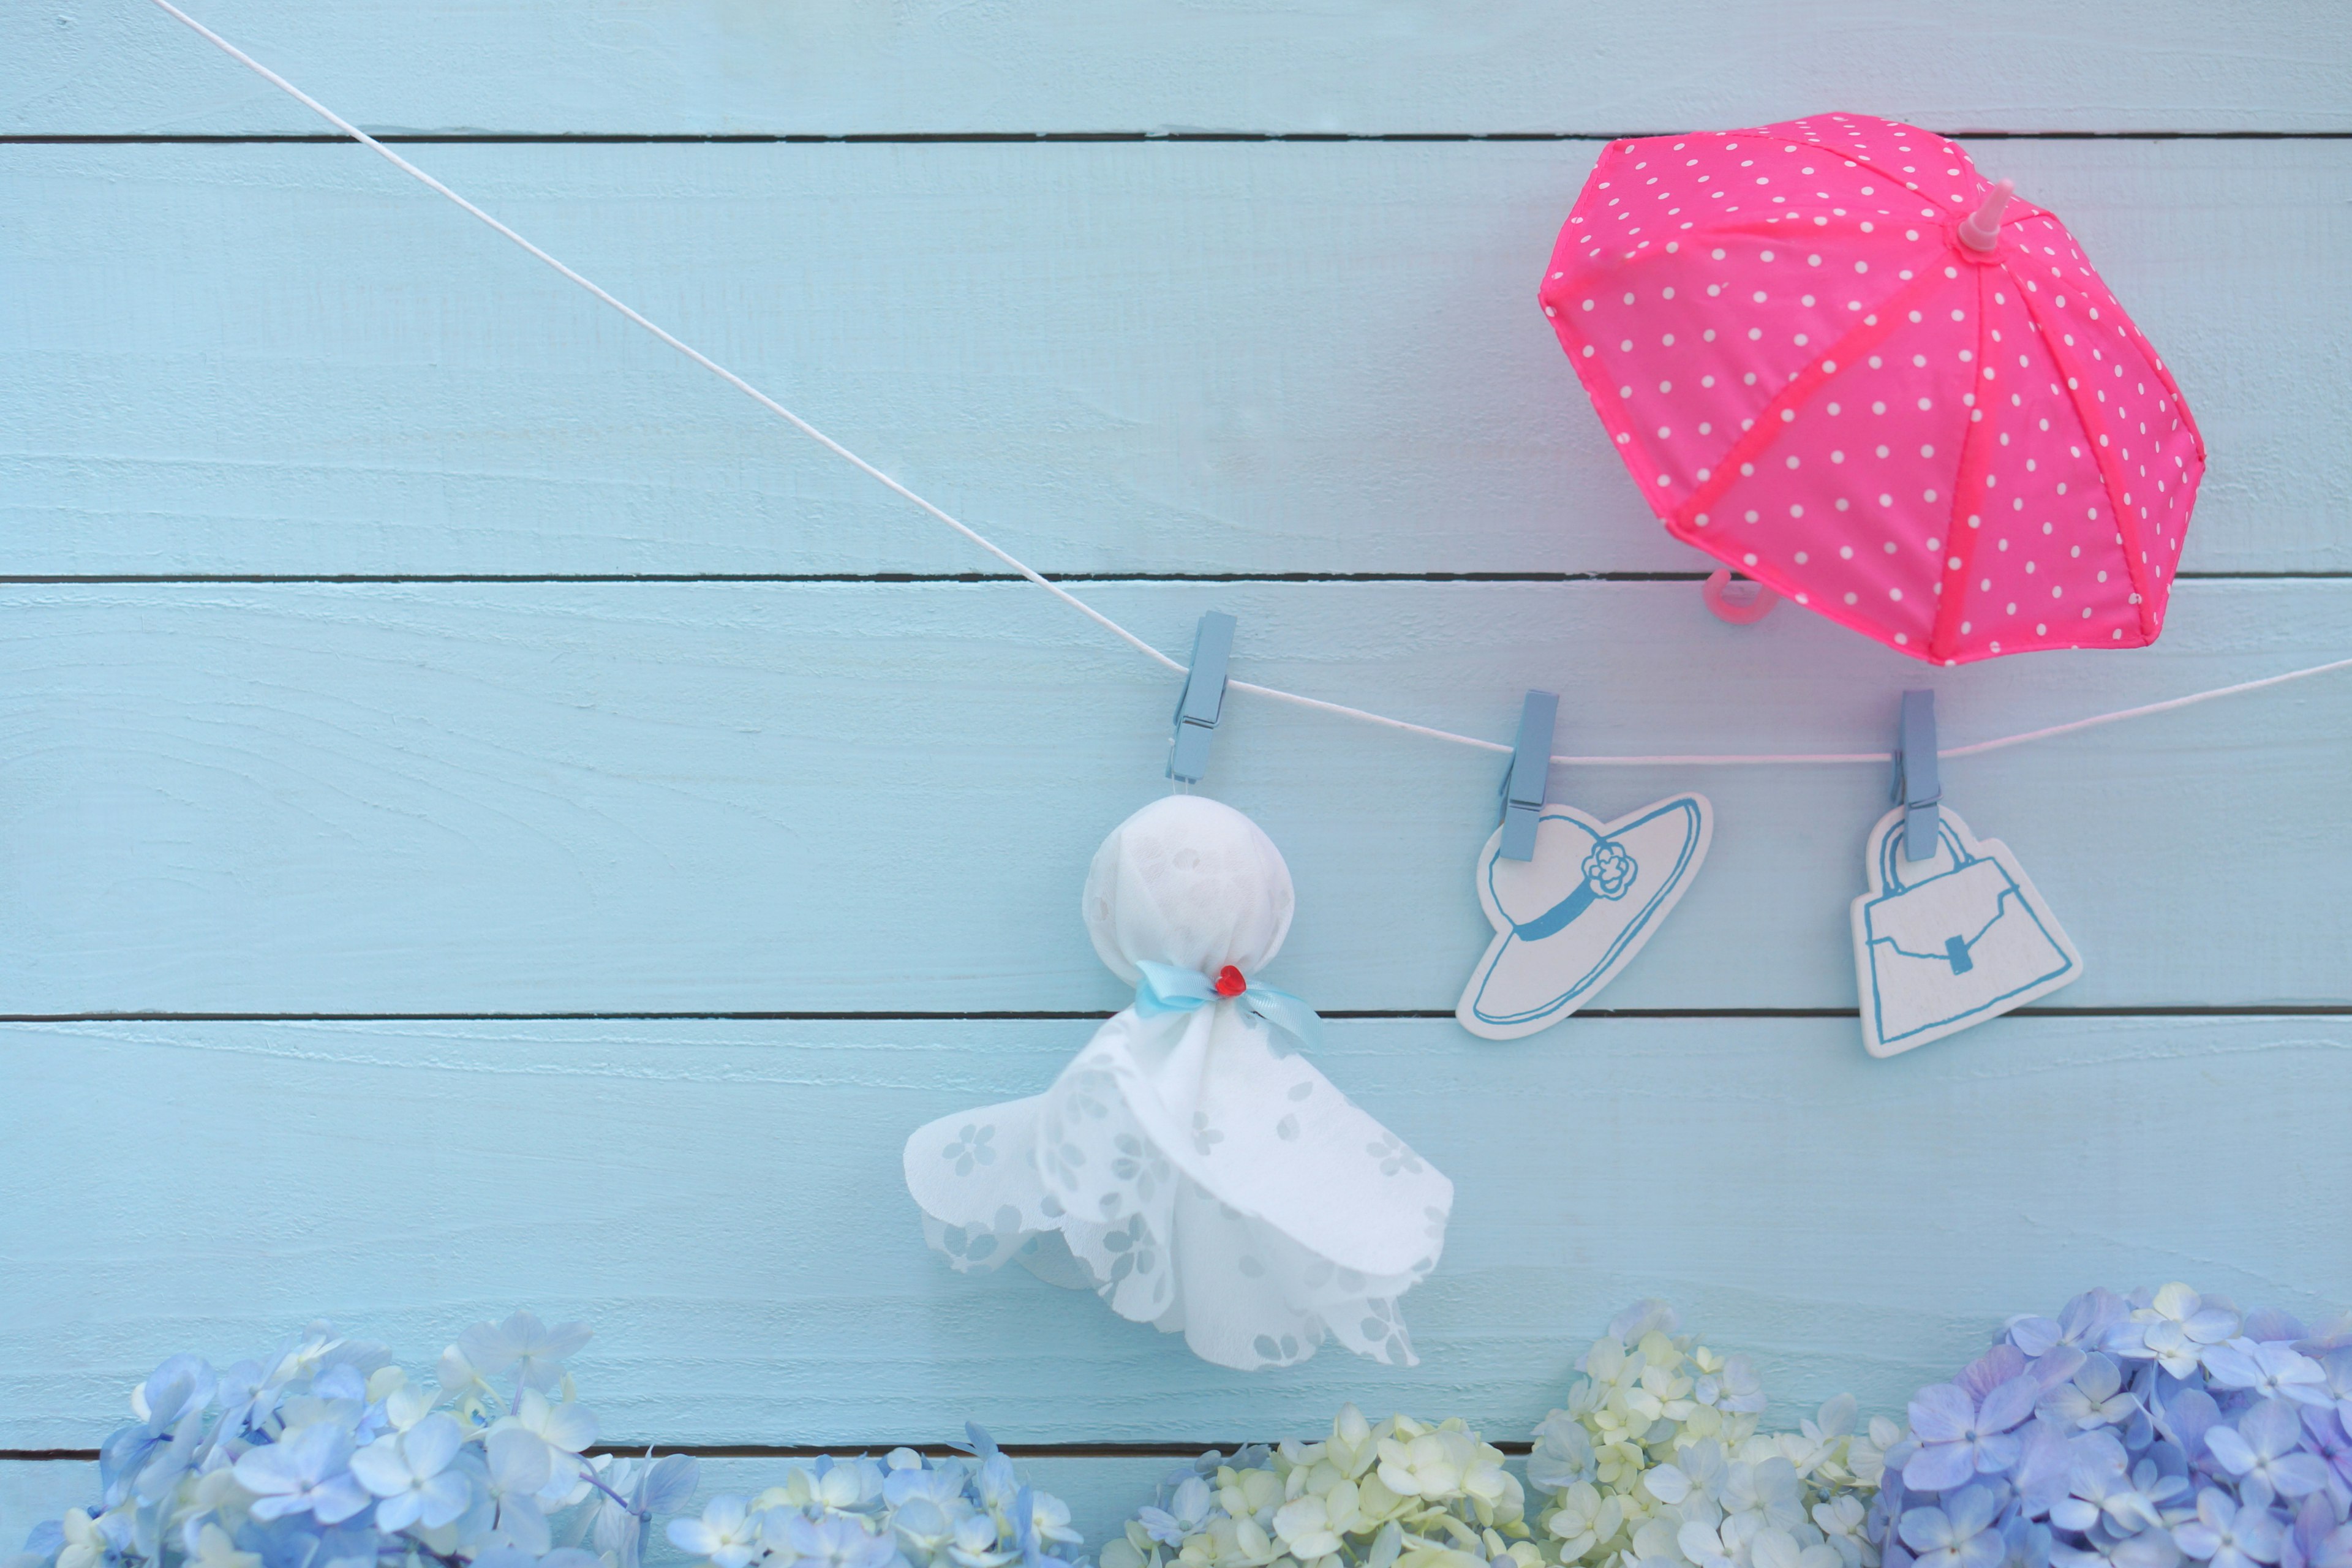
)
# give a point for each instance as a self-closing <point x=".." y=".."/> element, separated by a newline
<point x="326" y="1455"/>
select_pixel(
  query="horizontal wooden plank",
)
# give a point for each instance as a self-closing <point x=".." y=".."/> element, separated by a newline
<point x="32" y="1490"/>
<point x="723" y="1202"/>
<point x="1140" y="358"/>
<point x="760" y="797"/>
<point x="1102" y="1493"/>
<point x="843" y="66"/>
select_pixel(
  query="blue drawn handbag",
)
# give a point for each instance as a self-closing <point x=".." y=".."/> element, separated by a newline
<point x="1968" y="940"/>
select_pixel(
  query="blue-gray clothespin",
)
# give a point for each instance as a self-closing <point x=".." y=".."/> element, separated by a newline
<point x="1202" y="701"/>
<point x="1917" y="784"/>
<point x="1523" y="786"/>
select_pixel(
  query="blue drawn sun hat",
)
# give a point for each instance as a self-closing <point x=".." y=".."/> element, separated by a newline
<point x="1568" y="919"/>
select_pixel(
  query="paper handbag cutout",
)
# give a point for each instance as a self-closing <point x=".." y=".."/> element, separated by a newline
<point x="1950" y="942"/>
<point x="1192" y="1166"/>
<point x="1568" y="920"/>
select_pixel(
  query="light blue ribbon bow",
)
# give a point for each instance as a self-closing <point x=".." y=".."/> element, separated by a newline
<point x="1168" y="989"/>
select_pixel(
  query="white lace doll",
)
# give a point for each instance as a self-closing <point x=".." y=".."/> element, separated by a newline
<point x="1190" y="1167"/>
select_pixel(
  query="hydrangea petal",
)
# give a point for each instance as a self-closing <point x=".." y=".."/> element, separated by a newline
<point x="2008" y="1404"/>
<point x="1939" y="1466"/>
<point x="1941" y="1413"/>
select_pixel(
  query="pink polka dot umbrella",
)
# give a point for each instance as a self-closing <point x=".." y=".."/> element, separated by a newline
<point x="1839" y="360"/>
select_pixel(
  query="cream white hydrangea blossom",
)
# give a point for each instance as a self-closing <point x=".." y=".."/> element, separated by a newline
<point x="1657" y="1462"/>
<point x="1402" y="1494"/>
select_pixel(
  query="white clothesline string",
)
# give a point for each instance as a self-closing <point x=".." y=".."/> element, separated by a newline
<point x="1104" y="621"/>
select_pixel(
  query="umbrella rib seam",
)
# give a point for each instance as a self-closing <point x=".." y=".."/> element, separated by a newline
<point x="1961" y="536"/>
<point x="2103" y="456"/>
<point x="1881" y="323"/>
<point x="2029" y="210"/>
<point x="1798" y="390"/>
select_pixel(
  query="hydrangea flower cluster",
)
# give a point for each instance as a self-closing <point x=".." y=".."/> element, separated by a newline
<point x="326" y="1455"/>
<point x="2163" y="1429"/>
<point x="1657" y="1462"/>
<point x="903" y="1511"/>
<point x="1402" y="1494"/>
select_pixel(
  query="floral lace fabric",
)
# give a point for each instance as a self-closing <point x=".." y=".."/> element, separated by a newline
<point x="1183" y="1167"/>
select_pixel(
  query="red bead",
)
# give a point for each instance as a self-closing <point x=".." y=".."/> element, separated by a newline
<point x="1230" y="982"/>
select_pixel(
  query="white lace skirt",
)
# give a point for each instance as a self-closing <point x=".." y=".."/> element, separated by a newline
<point x="1198" y="1182"/>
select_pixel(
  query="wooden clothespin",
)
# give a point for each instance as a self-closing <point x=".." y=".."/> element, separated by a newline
<point x="1203" y="701"/>
<point x="1917" y="784"/>
<point x="1530" y="773"/>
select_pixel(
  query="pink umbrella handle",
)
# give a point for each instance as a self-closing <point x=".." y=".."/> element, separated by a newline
<point x="1980" y="230"/>
<point x="1742" y="603"/>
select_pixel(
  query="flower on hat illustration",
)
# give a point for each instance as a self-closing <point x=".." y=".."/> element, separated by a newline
<point x="1609" y="869"/>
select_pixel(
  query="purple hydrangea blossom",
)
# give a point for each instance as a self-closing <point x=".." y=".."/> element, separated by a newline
<point x="2266" y="1447"/>
<point x="2163" y="1429"/>
<point x="2228" y="1535"/>
<point x="1961" y="1534"/>
<point x="1959" y="1436"/>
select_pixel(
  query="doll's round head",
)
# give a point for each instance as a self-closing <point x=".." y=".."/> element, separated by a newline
<point x="1188" y="881"/>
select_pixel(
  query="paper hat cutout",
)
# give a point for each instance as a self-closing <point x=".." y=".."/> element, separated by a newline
<point x="1568" y="920"/>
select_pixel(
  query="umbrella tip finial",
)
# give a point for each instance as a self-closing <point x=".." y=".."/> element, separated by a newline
<point x="1980" y="230"/>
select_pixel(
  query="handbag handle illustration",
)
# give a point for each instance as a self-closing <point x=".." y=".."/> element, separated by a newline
<point x="1889" y="881"/>
<point x="1956" y="947"/>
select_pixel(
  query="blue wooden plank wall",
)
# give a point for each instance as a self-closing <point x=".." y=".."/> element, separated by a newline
<point x="433" y="717"/>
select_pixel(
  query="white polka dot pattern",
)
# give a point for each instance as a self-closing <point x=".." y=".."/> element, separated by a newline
<point x="1960" y="454"/>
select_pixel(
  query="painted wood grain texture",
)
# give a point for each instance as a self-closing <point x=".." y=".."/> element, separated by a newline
<point x="534" y="797"/>
<point x="1160" y="359"/>
<point x="842" y="65"/>
<point x="1137" y="358"/>
<point x="1101" y="1491"/>
<point x="722" y="1201"/>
